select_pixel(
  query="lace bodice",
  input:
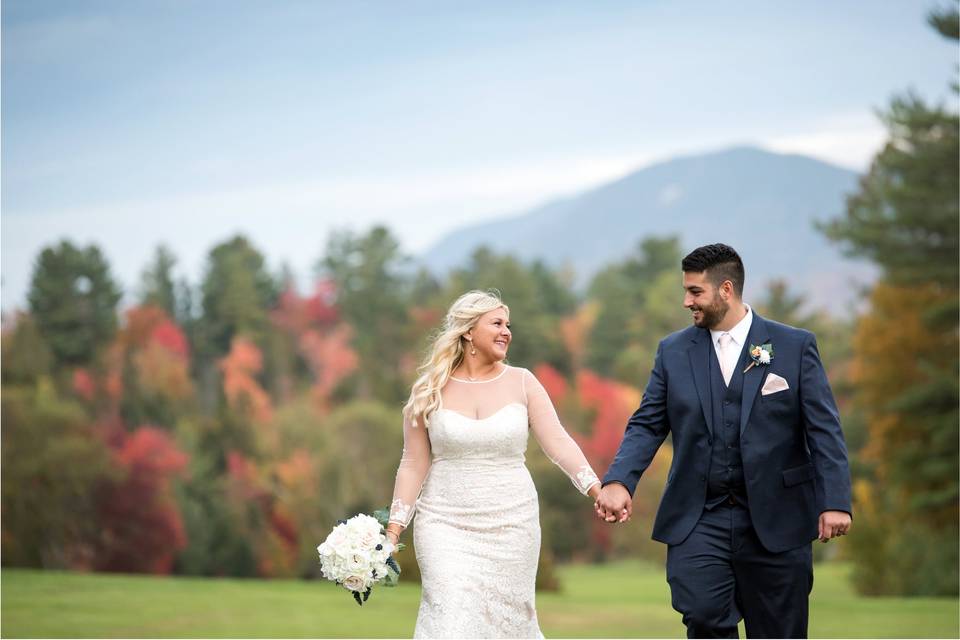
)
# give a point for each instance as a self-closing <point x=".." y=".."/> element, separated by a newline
<point x="486" y="422"/>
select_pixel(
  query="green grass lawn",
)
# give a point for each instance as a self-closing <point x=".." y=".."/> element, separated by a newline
<point x="629" y="600"/>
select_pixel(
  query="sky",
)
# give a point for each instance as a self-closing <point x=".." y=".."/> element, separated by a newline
<point x="130" y="123"/>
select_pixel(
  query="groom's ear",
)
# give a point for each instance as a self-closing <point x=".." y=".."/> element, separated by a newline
<point x="726" y="290"/>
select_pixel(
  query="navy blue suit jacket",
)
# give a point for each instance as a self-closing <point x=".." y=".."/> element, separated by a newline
<point x="794" y="456"/>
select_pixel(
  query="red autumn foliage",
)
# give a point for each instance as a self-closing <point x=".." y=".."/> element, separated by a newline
<point x="322" y="341"/>
<point x="141" y="527"/>
<point x="147" y="325"/>
<point x="140" y="324"/>
<point x="330" y="358"/>
<point x="168" y="335"/>
<point x="275" y="537"/>
<point x="553" y="382"/>
<point x="159" y="352"/>
<point x="612" y="404"/>
<point x="296" y="314"/>
<point x="83" y="384"/>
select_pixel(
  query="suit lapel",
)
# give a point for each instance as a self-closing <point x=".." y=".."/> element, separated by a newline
<point x="699" y="353"/>
<point x="759" y="334"/>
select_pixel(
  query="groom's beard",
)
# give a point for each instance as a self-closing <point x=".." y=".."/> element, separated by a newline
<point x="712" y="315"/>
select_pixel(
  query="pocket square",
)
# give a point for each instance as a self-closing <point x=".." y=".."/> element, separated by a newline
<point x="773" y="384"/>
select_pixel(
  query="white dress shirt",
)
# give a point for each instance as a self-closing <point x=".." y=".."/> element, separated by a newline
<point x="739" y="335"/>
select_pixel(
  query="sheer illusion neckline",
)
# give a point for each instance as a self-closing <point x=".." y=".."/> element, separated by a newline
<point x="497" y="412"/>
<point x="496" y="377"/>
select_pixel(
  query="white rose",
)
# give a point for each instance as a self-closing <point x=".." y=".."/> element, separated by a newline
<point x="355" y="583"/>
<point x="355" y="563"/>
<point x="764" y="356"/>
<point x="368" y="539"/>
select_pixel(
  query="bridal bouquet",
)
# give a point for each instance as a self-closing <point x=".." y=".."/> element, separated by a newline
<point x="356" y="555"/>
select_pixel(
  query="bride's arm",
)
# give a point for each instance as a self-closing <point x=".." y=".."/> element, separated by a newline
<point x="414" y="465"/>
<point x="562" y="450"/>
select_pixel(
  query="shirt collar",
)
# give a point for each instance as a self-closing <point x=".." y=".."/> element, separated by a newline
<point x="739" y="332"/>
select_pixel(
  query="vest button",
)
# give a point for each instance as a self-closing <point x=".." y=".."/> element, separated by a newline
<point x="726" y="403"/>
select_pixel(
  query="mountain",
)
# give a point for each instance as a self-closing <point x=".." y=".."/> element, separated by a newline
<point x="763" y="204"/>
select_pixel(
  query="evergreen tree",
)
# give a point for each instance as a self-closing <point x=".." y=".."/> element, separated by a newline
<point x="157" y="285"/>
<point x="236" y="294"/>
<point x="73" y="299"/>
<point x="638" y="302"/>
<point x="371" y="293"/>
<point x="905" y="218"/>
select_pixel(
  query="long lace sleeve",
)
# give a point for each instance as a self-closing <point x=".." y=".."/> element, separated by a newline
<point x="553" y="438"/>
<point x="414" y="464"/>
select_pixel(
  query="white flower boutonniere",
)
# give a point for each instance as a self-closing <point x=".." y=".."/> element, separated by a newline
<point x="760" y="355"/>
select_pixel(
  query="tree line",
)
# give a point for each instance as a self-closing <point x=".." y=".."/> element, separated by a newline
<point x="222" y="427"/>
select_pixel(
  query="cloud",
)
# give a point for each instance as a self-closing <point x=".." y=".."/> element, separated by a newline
<point x="850" y="140"/>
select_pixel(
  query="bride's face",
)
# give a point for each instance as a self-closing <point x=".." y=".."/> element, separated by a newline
<point x="491" y="335"/>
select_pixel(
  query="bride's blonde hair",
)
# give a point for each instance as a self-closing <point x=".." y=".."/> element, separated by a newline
<point x="446" y="352"/>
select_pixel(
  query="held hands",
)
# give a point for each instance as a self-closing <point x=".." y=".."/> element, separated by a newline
<point x="833" y="524"/>
<point x="613" y="503"/>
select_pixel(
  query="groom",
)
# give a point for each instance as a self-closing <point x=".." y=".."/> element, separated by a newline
<point x="759" y="463"/>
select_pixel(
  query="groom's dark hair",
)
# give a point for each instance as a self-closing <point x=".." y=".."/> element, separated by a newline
<point x="720" y="262"/>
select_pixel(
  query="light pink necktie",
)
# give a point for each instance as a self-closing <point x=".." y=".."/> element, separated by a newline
<point x="725" y="344"/>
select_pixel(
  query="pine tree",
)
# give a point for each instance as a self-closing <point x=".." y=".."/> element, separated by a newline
<point x="905" y="218"/>
<point x="73" y="299"/>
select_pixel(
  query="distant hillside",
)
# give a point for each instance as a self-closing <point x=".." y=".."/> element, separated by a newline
<point x="764" y="204"/>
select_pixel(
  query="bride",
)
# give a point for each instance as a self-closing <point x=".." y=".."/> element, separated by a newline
<point x="462" y="471"/>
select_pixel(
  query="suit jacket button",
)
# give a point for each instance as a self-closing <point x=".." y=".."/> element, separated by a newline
<point x="710" y="441"/>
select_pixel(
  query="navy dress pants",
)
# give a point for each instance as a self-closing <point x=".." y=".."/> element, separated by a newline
<point x="721" y="573"/>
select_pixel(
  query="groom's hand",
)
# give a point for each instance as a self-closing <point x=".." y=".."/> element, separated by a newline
<point x="614" y="503"/>
<point x="834" y="524"/>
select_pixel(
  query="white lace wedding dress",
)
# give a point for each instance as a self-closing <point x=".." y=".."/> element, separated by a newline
<point x="478" y="531"/>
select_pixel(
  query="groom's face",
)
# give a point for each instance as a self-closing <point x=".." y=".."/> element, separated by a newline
<point x="703" y="299"/>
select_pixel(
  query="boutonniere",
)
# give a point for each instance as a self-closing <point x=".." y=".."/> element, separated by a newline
<point x="760" y="354"/>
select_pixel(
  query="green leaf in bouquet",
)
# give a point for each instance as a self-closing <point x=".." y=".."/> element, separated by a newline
<point x="392" y="564"/>
<point x="366" y="594"/>
<point x="392" y="578"/>
<point x="382" y="516"/>
<point x="356" y="596"/>
<point x="399" y="547"/>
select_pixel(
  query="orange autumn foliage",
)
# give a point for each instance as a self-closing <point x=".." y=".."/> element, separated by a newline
<point x="84" y="384"/>
<point x="330" y="358"/>
<point x="574" y="330"/>
<point x="244" y="394"/>
<point x="253" y="489"/>
<point x="896" y="351"/>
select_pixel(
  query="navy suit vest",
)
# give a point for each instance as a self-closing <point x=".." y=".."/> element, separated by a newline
<point x="726" y="464"/>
